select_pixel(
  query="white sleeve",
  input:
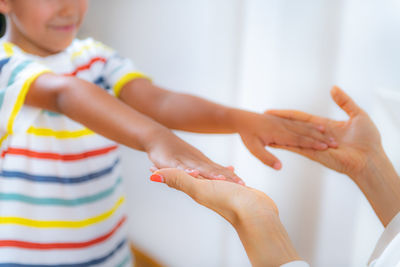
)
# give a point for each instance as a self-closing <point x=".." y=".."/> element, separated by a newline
<point x="387" y="250"/>
<point x="296" y="264"/>
<point x="17" y="75"/>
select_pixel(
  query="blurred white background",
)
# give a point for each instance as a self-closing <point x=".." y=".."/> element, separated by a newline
<point x="259" y="54"/>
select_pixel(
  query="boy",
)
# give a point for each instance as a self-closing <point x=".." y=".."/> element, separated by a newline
<point x="60" y="183"/>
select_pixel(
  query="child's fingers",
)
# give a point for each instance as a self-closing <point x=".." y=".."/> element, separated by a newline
<point x="297" y="140"/>
<point x="231" y="168"/>
<point x="208" y="169"/>
<point x="309" y="153"/>
<point x="256" y="147"/>
<point x="193" y="172"/>
<point x="153" y="168"/>
<point x="216" y="172"/>
<point x="298" y="116"/>
<point x="307" y="130"/>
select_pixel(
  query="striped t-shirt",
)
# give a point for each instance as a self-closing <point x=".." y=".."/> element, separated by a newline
<point x="61" y="199"/>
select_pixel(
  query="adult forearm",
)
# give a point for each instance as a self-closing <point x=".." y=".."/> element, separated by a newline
<point x="265" y="240"/>
<point x="381" y="185"/>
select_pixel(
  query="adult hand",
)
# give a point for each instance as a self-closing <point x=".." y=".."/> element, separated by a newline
<point x="251" y="212"/>
<point x="229" y="200"/>
<point x="358" y="137"/>
<point x="360" y="155"/>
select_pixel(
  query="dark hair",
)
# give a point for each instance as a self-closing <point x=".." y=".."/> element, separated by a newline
<point x="2" y="25"/>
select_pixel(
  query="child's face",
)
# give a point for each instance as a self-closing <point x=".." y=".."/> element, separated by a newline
<point x="43" y="27"/>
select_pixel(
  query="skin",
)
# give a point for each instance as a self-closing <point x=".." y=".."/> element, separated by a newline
<point x="144" y="111"/>
<point x="190" y="113"/>
<point x="360" y="154"/>
<point x="251" y="212"/>
<point x="254" y="215"/>
<point x="43" y="27"/>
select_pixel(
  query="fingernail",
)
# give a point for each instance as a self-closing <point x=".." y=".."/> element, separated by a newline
<point x="320" y="127"/>
<point x="192" y="172"/>
<point x="231" y="168"/>
<point x="157" y="178"/>
<point x="241" y="182"/>
<point x="153" y="169"/>
<point x="220" y="177"/>
<point x="277" y="166"/>
<point x="333" y="142"/>
<point x="322" y="146"/>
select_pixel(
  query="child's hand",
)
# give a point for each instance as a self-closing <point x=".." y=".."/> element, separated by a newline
<point x="260" y="130"/>
<point x="166" y="150"/>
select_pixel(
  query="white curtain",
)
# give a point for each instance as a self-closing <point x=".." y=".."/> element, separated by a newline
<point x="259" y="54"/>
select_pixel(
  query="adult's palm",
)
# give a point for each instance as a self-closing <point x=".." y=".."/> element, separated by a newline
<point x="358" y="138"/>
<point x="223" y="197"/>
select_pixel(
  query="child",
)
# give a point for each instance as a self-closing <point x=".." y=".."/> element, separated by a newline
<point x="62" y="203"/>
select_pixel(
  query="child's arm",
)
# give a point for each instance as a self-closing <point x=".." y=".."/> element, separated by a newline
<point x="190" y="113"/>
<point x="91" y="106"/>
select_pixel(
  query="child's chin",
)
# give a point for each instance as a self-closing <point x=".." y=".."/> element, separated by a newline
<point x="61" y="46"/>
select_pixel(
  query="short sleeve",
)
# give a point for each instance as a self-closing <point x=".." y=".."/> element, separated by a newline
<point x="117" y="70"/>
<point x="16" y="76"/>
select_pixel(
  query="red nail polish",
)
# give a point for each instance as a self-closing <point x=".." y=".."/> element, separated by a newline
<point x="277" y="166"/>
<point x="157" y="178"/>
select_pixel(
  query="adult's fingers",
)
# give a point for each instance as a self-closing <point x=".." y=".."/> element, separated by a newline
<point x="345" y="102"/>
<point x="180" y="180"/>
<point x="256" y="147"/>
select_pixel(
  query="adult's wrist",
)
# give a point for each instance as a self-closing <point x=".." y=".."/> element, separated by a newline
<point x="381" y="186"/>
<point x="265" y="239"/>
<point x="371" y="163"/>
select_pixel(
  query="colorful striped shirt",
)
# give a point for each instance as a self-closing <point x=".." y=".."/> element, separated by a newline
<point x="61" y="199"/>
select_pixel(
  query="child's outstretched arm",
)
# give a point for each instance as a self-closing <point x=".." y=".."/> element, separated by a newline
<point x="190" y="113"/>
<point x="91" y="106"/>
